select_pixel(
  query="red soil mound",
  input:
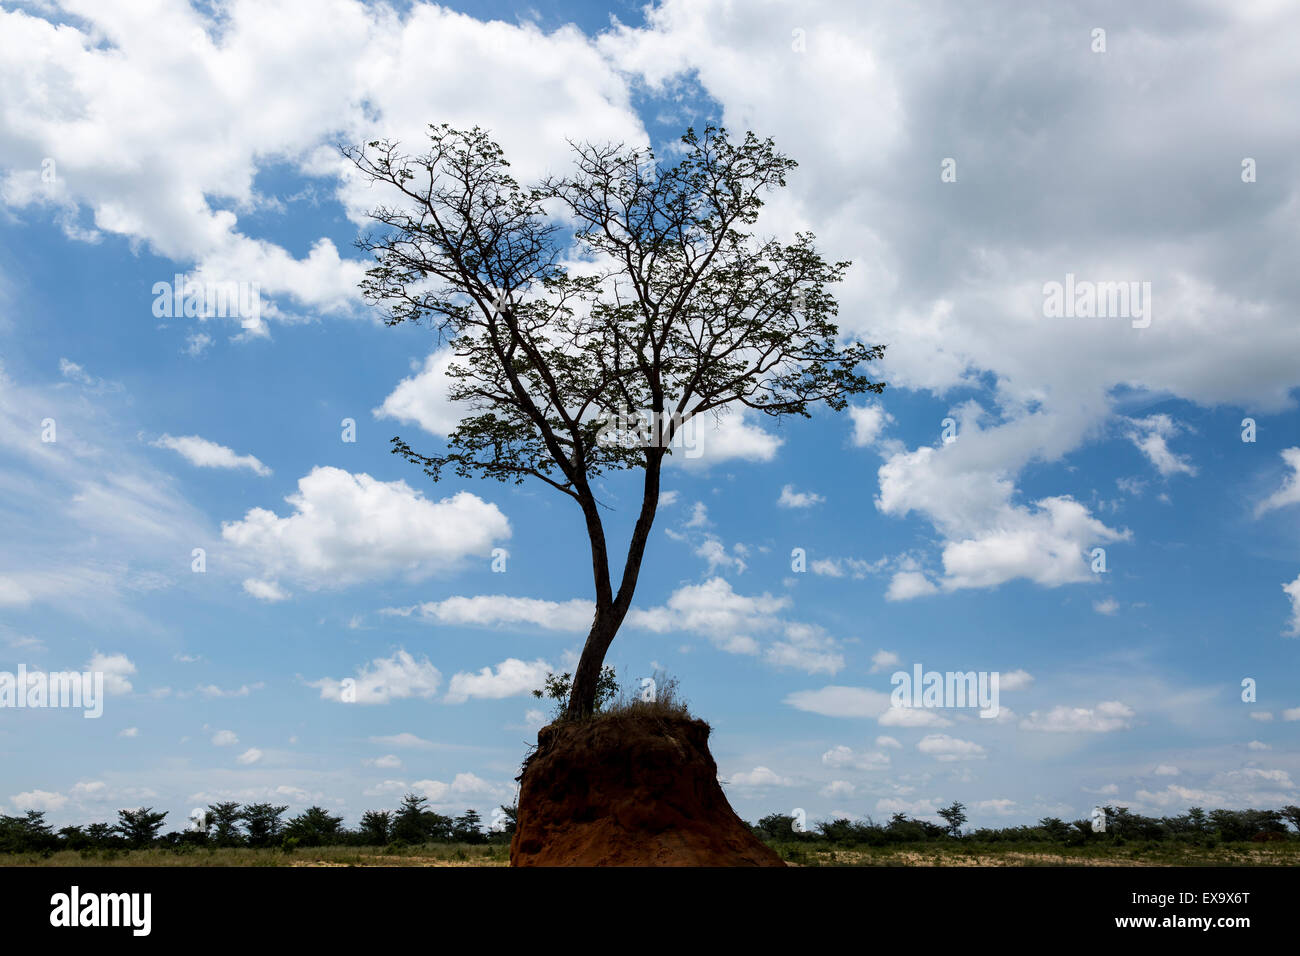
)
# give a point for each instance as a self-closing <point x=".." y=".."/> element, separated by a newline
<point x="629" y="790"/>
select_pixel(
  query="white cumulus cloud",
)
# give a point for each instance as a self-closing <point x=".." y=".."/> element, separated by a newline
<point x="346" y="528"/>
<point x="398" y="677"/>
<point x="945" y="748"/>
<point x="1110" y="715"/>
<point x="510" y="678"/>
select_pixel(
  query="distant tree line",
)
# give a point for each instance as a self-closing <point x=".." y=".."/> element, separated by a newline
<point x="262" y="825"/>
<point x="231" y="824"/>
<point x="1196" y="827"/>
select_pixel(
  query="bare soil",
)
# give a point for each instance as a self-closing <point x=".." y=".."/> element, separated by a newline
<point x="629" y="789"/>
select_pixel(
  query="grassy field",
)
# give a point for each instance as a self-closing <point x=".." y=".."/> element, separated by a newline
<point x="1045" y="854"/>
<point x="964" y="854"/>
<point x="433" y="854"/>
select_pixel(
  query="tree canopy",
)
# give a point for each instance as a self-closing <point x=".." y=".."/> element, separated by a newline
<point x="594" y="315"/>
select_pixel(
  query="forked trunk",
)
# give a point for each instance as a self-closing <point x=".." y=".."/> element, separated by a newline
<point x="610" y="614"/>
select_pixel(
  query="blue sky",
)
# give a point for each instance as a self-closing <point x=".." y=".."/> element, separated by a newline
<point x="201" y="141"/>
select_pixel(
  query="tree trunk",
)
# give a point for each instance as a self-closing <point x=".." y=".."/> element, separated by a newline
<point x="582" y="698"/>
<point x="610" y="614"/>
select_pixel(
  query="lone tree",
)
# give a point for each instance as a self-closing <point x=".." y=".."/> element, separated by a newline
<point x="264" y="823"/>
<point x="139" y="827"/>
<point x="315" y="826"/>
<point x="624" y="292"/>
<point x="223" y="823"/>
<point x="375" y="826"/>
<point x="955" y="816"/>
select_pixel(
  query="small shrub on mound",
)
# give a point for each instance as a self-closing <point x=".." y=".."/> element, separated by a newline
<point x="656" y="696"/>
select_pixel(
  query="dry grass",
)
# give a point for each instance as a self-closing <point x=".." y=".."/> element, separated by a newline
<point x="665" y="702"/>
<point x="966" y="854"/>
<point x="1277" y="854"/>
<point x="435" y="854"/>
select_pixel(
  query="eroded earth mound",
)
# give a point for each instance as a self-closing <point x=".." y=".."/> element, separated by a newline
<point x="629" y="790"/>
